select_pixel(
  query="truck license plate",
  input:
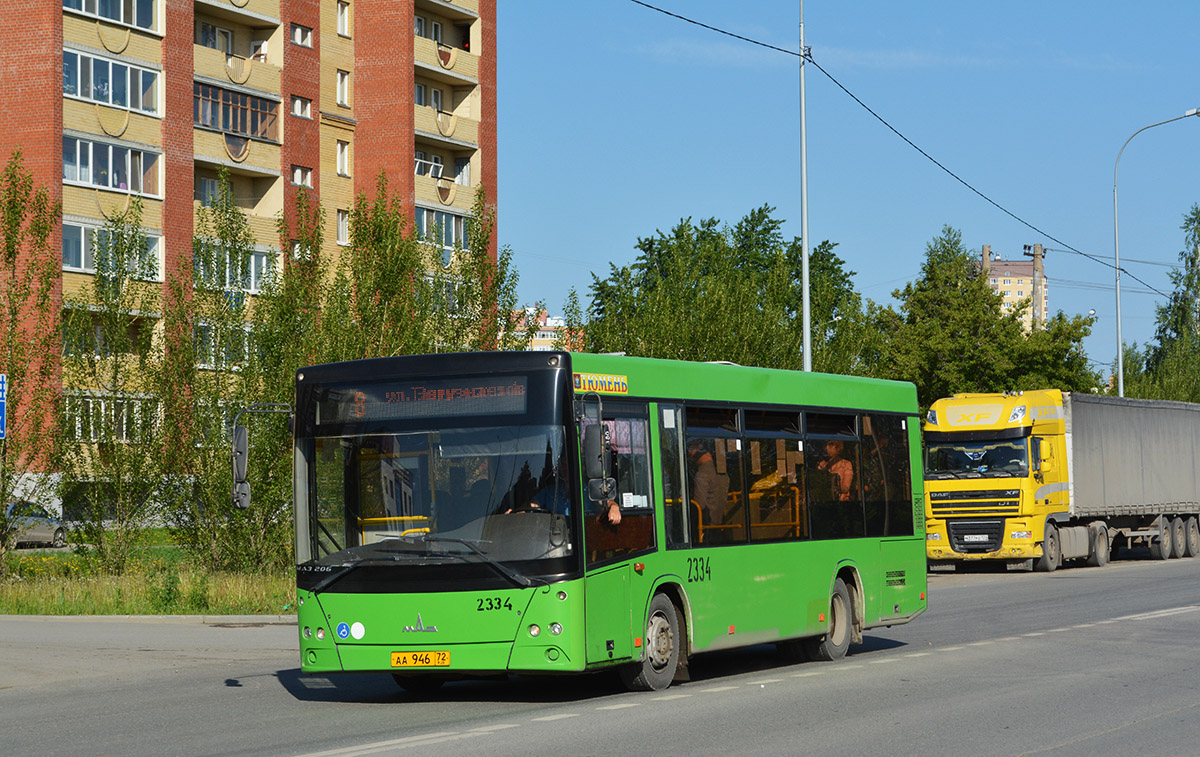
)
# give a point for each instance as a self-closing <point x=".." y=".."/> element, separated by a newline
<point x="974" y="537"/>
<point x="420" y="659"/>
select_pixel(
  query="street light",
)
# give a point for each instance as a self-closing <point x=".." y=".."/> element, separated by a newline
<point x="1117" y="247"/>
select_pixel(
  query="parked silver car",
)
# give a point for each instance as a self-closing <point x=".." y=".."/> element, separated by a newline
<point x="36" y="526"/>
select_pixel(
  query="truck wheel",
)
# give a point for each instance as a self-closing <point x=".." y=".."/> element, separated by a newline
<point x="1160" y="548"/>
<point x="657" y="670"/>
<point x="1099" y="546"/>
<point x="1191" y="537"/>
<point x="1051" y="555"/>
<point x="1178" y="537"/>
<point x="833" y="645"/>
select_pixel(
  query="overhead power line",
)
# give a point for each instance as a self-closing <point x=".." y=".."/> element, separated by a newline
<point x="809" y="59"/>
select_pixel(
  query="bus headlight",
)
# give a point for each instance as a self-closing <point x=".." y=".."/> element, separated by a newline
<point x="535" y="630"/>
<point x="556" y="628"/>
<point x="307" y="632"/>
<point x="320" y="634"/>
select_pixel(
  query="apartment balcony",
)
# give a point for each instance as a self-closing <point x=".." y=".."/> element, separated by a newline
<point x="445" y="63"/>
<point x="444" y="192"/>
<point x="248" y="12"/>
<point x="239" y="154"/>
<point x="250" y="73"/>
<point x="445" y="129"/>
<point x="105" y="121"/>
<point x="457" y="10"/>
<point x="116" y="39"/>
<point x="99" y="204"/>
<point x="264" y="227"/>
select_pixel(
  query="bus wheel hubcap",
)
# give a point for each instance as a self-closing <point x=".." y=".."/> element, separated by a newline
<point x="659" y="642"/>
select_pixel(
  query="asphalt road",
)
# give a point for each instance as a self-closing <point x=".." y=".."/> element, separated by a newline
<point x="1078" y="662"/>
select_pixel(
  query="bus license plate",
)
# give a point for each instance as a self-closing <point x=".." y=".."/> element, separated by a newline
<point x="974" y="537"/>
<point x="420" y="659"/>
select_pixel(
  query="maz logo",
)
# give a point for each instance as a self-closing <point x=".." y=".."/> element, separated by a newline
<point x="420" y="626"/>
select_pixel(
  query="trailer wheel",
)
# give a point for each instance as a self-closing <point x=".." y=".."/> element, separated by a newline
<point x="833" y="645"/>
<point x="1178" y="537"/>
<point x="1100" y="546"/>
<point x="1160" y="548"/>
<point x="1192" y="537"/>
<point x="1051" y="554"/>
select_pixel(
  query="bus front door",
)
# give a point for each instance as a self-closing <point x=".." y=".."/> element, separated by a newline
<point x="608" y="616"/>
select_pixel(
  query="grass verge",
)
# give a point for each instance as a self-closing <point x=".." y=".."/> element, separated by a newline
<point x="157" y="583"/>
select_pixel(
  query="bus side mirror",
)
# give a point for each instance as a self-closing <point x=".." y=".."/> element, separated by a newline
<point x="241" y="447"/>
<point x="595" y="464"/>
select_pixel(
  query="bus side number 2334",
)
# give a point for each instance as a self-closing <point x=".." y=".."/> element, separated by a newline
<point x="699" y="569"/>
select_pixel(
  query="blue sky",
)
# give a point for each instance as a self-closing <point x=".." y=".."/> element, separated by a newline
<point x="616" y="121"/>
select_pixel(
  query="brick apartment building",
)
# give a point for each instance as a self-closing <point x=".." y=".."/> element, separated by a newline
<point x="1016" y="280"/>
<point x="114" y="98"/>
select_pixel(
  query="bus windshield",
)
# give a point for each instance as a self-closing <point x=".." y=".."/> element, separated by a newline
<point x="492" y="492"/>
<point x="979" y="459"/>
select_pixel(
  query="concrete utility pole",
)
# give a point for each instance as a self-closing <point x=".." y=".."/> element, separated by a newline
<point x="1037" y="320"/>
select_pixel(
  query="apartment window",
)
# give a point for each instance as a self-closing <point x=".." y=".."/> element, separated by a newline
<point x="420" y="94"/>
<point x="84" y="252"/>
<point x="247" y="272"/>
<point x="430" y="165"/>
<point x="343" y="227"/>
<point x="343" y="88"/>
<point x="1007" y="282"/>
<point x="139" y="13"/>
<point x="462" y="171"/>
<point x="207" y="190"/>
<point x="301" y="35"/>
<point x="234" y="112"/>
<point x="435" y="31"/>
<point x="994" y="281"/>
<point x="343" y="158"/>
<point x="87" y="77"/>
<point x="110" y="418"/>
<point x="114" y="167"/>
<point x="447" y="230"/>
<point x="208" y="35"/>
<point x="224" y="348"/>
<point x="343" y="18"/>
<point x="419" y="26"/>
<point x="1020" y="281"/>
<point x="1020" y="293"/>
<point x="435" y="98"/>
<point x="301" y="106"/>
<point x="302" y="176"/>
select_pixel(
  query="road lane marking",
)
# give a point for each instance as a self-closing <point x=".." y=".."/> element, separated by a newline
<point x="617" y="706"/>
<point x="884" y="661"/>
<point x="497" y="727"/>
<point x="669" y="697"/>
<point x="766" y="680"/>
<point x="950" y="649"/>
<point x="919" y="654"/>
<point x="981" y="643"/>
<point x="393" y="744"/>
<point x="808" y="675"/>
<point x="548" y="718"/>
<point x="1035" y="633"/>
<point x="718" y="688"/>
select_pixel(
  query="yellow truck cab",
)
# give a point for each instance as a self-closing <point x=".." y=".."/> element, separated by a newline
<point x="1046" y="476"/>
<point x="992" y="475"/>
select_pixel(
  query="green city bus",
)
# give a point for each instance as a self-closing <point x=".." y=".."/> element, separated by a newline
<point x="466" y="515"/>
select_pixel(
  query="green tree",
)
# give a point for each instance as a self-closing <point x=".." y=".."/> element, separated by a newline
<point x="950" y="333"/>
<point x="29" y="340"/>
<point x="707" y="291"/>
<point x="112" y="473"/>
<point x="1172" y="365"/>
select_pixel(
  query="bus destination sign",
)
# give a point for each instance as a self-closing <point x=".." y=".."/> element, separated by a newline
<point x="424" y="399"/>
<point x="601" y="383"/>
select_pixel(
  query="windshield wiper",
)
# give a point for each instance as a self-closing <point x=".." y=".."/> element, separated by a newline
<point x="501" y="568"/>
<point x="348" y="567"/>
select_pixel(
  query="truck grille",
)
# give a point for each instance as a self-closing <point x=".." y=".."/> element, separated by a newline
<point x="985" y="502"/>
<point x="975" y="535"/>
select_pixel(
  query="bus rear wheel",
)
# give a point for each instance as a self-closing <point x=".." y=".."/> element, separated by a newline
<point x="657" y="669"/>
<point x="834" y="644"/>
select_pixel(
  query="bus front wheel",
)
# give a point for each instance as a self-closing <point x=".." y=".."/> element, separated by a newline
<point x="663" y="641"/>
<point x="834" y="644"/>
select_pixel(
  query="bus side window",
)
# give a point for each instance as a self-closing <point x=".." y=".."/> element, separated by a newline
<point x="775" y="482"/>
<point x="629" y="459"/>
<point x="680" y="525"/>
<point x="886" y="484"/>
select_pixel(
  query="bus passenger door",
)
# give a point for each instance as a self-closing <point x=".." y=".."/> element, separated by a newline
<point x="607" y="615"/>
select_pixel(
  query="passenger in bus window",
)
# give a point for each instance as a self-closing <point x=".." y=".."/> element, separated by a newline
<point x="710" y="490"/>
<point x="840" y="469"/>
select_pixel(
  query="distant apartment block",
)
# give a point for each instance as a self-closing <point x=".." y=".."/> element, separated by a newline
<point x="549" y="329"/>
<point x="1016" y="280"/>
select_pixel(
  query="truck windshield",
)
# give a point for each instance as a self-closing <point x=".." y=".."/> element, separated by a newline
<point x="452" y="495"/>
<point x="981" y="459"/>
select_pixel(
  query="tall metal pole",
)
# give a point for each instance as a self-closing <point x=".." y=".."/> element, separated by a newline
<point x="804" y="206"/>
<point x="1117" y="246"/>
